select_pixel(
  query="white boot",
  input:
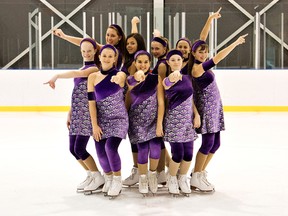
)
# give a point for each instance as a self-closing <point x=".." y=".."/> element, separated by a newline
<point x="172" y="184"/>
<point x="86" y="182"/>
<point x="133" y="178"/>
<point x="108" y="182"/>
<point x="116" y="186"/>
<point x="198" y="182"/>
<point x="97" y="181"/>
<point x="183" y="184"/>
<point x="161" y="177"/>
<point x="152" y="181"/>
<point x="204" y="175"/>
<point x="143" y="184"/>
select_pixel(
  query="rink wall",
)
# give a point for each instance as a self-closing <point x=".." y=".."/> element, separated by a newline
<point x="241" y="91"/>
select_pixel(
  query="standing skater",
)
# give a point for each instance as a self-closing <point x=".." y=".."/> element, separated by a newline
<point x="146" y="113"/>
<point x="178" y="123"/>
<point x="208" y="102"/>
<point x="134" y="43"/>
<point x="78" y="120"/>
<point x="109" y="117"/>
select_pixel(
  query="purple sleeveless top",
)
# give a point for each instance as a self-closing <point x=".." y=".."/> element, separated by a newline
<point x="80" y="116"/>
<point x="111" y="111"/>
<point x="155" y="69"/>
<point x="143" y="110"/>
<point x="209" y="104"/>
<point x="178" y="122"/>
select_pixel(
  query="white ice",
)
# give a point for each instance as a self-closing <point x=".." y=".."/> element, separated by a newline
<point x="39" y="175"/>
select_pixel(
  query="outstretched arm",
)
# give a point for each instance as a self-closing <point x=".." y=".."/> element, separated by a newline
<point x="119" y="78"/>
<point x="198" y="70"/>
<point x="71" y="74"/>
<point x="206" y="29"/>
<point x="225" y="52"/>
<point x="69" y="38"/>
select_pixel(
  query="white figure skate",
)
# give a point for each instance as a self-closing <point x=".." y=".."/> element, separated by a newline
<point x="108" y="183"/>
<point x="143" y="185"/>
<point x="183" y="184"/>
<point x="115" y="188"/>
<point x="152" y="181"/>
<point x="96" y="184"/>
<point x="87" y="181"/>
<point x="172" y="184"/>
<point x="133" y="178"/>
<point x="199" y="183"/>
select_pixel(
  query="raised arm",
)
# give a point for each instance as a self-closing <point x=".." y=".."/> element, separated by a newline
<point x="69" y="38"/>
<point x="198" y="70"/>
<point x="206" y="29"/>
<point x="225" y="52"/>
<point x="135" y="20"/>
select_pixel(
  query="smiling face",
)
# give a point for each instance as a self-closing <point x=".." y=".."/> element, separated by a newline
<point x="175" y="62"/>
<point x="131" y="45"/>
<point x="87" y="51"/>
<point x="112" y="37"/>
<point x="107" y="58"/>
<point x="184" y="47"/>
<point x="201" y="54"/>
<point x="143" y="63"/>
<point x="157" y="49"/>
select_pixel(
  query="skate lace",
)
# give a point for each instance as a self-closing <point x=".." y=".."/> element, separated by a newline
<point x="133" y="173"/>
<point x="204" y="178"/>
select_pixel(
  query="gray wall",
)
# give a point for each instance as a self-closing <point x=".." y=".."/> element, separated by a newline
<point x="14" y="27"/>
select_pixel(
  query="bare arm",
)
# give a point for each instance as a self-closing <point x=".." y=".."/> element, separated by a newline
<point x="206" y="29"/>
<point x="119" y="78"/>
<point x="71" y="74"/>
<point x="196" y="120"/>
<point x="161" y="108"/>
<point x="97" y="132"/>
<point x="135" y="20"/>
<point x="198" y="70"/>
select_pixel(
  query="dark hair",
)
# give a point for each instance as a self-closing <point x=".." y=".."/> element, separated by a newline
<point x="129" y="58"/>
<point x="121" y="45"/>
<point x="191" y="60"/>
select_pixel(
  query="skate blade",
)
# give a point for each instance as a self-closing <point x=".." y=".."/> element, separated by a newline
<point x="98" y="190"/>
<point x="111" y="197"/>
<point x="197" y="190"/>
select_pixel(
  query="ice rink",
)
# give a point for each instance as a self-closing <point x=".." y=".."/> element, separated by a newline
<point x="39" y="175"/>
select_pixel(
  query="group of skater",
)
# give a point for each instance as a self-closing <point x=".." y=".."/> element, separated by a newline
<point x="117" y="94"/>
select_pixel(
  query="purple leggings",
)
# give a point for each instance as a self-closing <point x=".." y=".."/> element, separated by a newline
<point x="182" y="151"/>
<point x="134" y="147"/>
<point x="77" y="146"/>
<point x="107" y="152"/>
<point x="210" y="143"/>
<point x="154" y="145"/>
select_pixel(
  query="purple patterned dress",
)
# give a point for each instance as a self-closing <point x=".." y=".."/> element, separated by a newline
<point x="143" y="110"/>
<point x="178" y="122"/>
<point x="111" y="111"/>
<point x="208" y="102"/>
<point x="80" y="116"/>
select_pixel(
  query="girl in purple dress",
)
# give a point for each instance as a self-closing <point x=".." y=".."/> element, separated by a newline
<point x="78" y="121"/>
<point x="146" y="111"/>
<point x="208" y="102"/>
<point x="178" y="123"/>
<point x="109" y="117"/>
